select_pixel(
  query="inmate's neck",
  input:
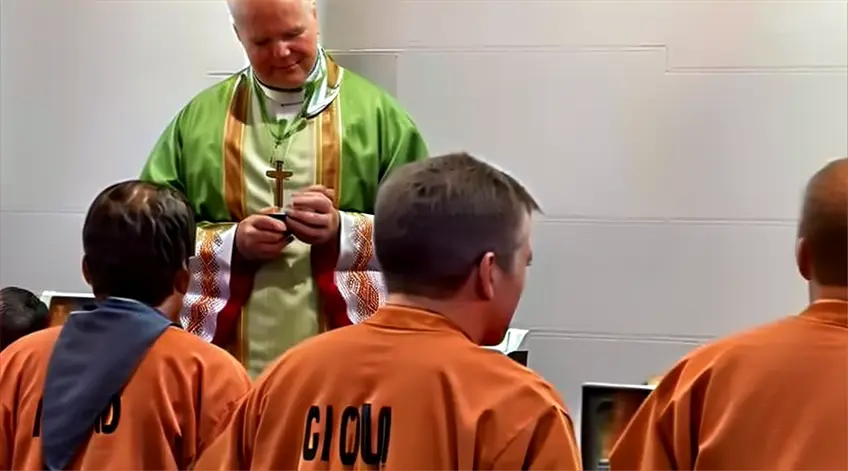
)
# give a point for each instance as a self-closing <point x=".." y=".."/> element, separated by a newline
<point x="828" y="293"/>
<point x="171" y="306"/>
<point x="456" y="311"/>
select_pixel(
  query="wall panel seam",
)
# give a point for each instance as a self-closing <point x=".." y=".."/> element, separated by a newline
<point x="688" y="221"/>
<point x="618" y="337"/>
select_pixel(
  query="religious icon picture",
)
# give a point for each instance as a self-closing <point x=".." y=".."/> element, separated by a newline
<point x="60" y="305"/>
<point x="605" y="412"/>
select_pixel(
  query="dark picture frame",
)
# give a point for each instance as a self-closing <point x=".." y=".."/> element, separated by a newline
<point x="60" y="305"/>
<point x="605" y="410"/>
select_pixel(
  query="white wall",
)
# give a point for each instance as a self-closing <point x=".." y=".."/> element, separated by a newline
<point x="667" y="140"/>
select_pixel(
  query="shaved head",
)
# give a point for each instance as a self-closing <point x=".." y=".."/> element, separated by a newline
<point x="823" y="230"/>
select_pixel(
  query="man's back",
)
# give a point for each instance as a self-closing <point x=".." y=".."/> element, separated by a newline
<point x="404" y="390"/>
<point x="775" y="397"/>
<point x="171" y="408"/>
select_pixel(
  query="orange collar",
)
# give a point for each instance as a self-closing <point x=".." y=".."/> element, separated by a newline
<point x="829" y="311"/>
<point x="392" y="316"/>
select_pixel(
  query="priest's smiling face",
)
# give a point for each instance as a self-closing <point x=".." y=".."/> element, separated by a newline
<point x="280" y="38"/>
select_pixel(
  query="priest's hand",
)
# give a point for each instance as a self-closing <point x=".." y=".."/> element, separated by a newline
<point x="312" y="217"/>
<point x="261" y="238"/>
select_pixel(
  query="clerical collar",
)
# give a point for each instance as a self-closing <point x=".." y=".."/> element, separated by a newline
<point x="283" y="97"/>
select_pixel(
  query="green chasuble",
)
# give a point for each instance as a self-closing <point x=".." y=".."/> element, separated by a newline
<point x="347" y="135"/>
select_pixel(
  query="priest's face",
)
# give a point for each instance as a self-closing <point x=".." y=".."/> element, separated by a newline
<point x="280" y="38"/>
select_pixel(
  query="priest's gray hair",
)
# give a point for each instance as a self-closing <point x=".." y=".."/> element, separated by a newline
<point x="232" y="6"/>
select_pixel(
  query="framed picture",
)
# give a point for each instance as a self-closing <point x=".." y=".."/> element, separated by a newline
<point x="606" y="410"/>
<point x="61" y="305"/>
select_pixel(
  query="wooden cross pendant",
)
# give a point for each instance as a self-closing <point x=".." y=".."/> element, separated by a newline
<point x="280" y="175"/>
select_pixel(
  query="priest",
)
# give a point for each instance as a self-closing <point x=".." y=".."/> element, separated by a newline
<point x="281" y="163"/>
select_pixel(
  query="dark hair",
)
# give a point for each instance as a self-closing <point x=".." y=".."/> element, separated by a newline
<point x="436" y="218"/>
<point x="824" y="223"/>
<point x="21" y="313"/>
<point x="136" y="238"/>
